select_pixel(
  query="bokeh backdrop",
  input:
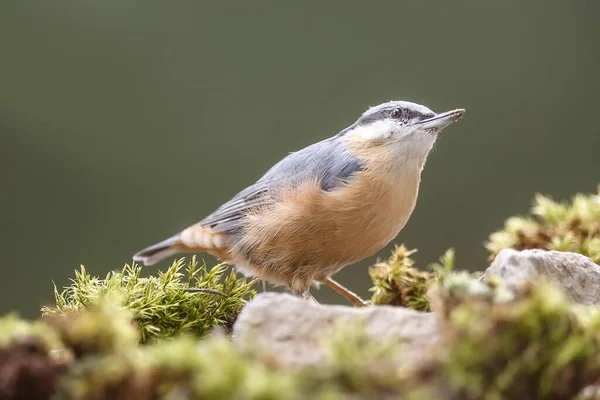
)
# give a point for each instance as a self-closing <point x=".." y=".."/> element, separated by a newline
<point x="123" y="121"/>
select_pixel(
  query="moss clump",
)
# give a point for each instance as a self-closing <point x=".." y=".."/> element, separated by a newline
<point x="532" y="345"/>
<point x="191" y="299"/>
<point x="29" y="362"/>
<point x="13" y="329"/>
<point x="210" y="368"/>
<point x="359" y="365"/>
<point x="180" y="368"/>
<point x="398" y="282"/>
<point x="571" y="226"/>
<point x="494" y="344"/>
<point x="457" y="288"/>
<point x="105" y="327"/>
<point x="101" y="340"/>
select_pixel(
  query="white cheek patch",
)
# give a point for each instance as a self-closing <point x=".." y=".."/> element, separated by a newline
<point x="408" y="137"/>
<point x="376" y="130"/>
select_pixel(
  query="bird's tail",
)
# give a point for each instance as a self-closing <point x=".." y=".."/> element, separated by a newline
<point x="159" y="251"/>
<point x="194" y="239"/>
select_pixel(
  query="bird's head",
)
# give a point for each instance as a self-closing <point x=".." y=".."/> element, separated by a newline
<point x="400" y="124"/>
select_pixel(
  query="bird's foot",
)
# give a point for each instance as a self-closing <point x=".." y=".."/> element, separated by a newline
<point x="349" y="295"/>
<point x="307" y="296"/>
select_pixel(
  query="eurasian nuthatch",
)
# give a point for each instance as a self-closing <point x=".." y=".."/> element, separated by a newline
<point x="324" y="207"/>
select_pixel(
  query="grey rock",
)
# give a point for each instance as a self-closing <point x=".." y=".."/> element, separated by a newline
<point x="577" y="275"/>
<point x="290" y="330"/>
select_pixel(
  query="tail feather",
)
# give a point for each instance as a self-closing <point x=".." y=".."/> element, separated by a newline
<point x="159" y="251"/>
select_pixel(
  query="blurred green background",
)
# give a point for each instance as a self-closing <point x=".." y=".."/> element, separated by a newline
<point x="123" y="121"/>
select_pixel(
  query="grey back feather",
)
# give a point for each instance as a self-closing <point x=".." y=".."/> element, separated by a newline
<point x="328" y="161"/>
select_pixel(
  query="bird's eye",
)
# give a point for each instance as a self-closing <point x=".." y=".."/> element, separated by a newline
<point x="396" y="113"/>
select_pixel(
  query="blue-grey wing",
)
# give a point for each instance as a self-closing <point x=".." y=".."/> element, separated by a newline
<point x="328" y="161"/>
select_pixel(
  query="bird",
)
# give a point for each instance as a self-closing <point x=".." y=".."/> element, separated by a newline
<point x="324" y="207"/>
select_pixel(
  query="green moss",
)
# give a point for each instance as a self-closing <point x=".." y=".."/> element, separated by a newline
<point x="191" y="299"/>
<point x="496" y="344"/>
<point x="398" y="282"/>
<point x="533" y="345"/>
<point x="13" y="329"/>
<point x="211" y="368"/>
<point x="106" y="326"/>
<point x="125" y="336"/>
<point x="32" y="358"/>
<point x="180" y="368"/>
<point x="358" y="364"/>
<point x="570" y="226"/>
<point x="456" y="288"/>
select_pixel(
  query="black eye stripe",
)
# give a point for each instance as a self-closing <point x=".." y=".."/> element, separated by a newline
<point x="407" y="113"/>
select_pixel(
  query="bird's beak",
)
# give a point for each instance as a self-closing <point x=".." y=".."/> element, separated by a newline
<point x="442" y="120"/>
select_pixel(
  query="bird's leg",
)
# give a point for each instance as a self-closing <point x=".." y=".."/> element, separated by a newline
<point x="307" y="296"/>
<point x="349" y="295"/>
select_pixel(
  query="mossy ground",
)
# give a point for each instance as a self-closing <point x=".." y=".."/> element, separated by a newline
<point x="565" y="226"/>
<point x="398" y="282"/>
<point x="186" y="298"/>
<point x="165" y="337"/>
<point x="532" y="343"/>
<point x="496" y="344"/>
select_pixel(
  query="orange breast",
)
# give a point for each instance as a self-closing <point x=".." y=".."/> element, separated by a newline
<point x="309" y="233"/>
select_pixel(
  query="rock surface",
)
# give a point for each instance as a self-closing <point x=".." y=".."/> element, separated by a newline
<point x="577" y="275"/>
<point x="290" y="330"/>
